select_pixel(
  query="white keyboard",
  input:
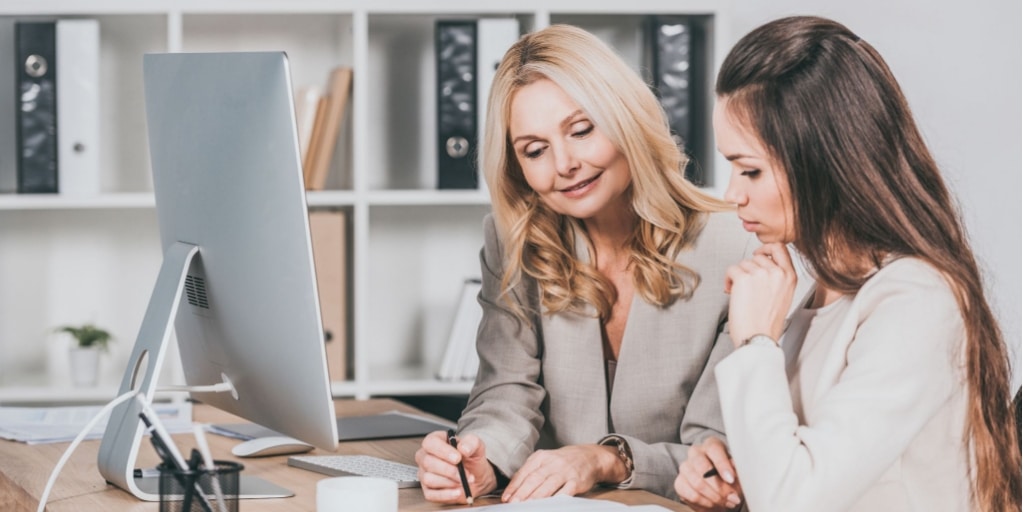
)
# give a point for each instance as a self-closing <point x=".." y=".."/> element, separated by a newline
<point x="358" y="465"/>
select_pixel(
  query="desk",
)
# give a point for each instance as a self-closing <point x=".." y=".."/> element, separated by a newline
<point x="24" y="470"/>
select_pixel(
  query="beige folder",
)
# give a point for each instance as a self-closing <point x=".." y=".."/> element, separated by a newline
<point x="327" y="229"/>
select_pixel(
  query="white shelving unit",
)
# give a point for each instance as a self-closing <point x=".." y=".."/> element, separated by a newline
<point x="66" y="260"/>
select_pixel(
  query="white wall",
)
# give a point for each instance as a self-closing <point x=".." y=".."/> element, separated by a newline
<point x="959" y="64"/>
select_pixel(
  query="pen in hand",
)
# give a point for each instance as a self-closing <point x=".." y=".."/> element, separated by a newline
<point x="462" y="470"/>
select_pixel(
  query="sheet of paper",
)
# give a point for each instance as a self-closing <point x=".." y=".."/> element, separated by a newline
<point x="36" y="425"/>
<point x="569" y="504"/>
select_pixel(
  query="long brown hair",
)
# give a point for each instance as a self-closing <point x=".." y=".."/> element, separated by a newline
<point x="539" y="242"/>
<point x="829" y="111"/>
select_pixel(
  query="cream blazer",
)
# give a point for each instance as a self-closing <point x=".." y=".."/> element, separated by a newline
<point x="869" y="415"/>
<point x="542" y="384"/>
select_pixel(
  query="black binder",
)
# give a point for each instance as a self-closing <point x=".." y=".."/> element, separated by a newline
<point x="36" y="123"/>
<point x="677" y="49"/>
<point x="455" y="47"/>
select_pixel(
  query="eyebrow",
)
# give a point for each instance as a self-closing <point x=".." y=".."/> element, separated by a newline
<point x="737" y="156"/>
<point x="568" y="119"/>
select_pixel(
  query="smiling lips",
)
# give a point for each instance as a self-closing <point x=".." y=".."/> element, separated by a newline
<point x="580" y="187"/>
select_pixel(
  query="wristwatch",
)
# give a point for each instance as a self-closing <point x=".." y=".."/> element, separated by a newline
<point x="762" y="340"/>
<point x="624" y="453"/>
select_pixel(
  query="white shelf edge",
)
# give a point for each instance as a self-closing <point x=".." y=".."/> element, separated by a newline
<point x="11" y="395"/>
<point x="136" y="200"/>
<point x="415" y="387"/>
<point x="343" y="389"/>
<point x="322" y="198"/>
<point x="127" y="200"/>
<point x="428" y="197"/>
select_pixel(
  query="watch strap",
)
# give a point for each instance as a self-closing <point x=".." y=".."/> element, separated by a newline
<point x="622" y="450"/>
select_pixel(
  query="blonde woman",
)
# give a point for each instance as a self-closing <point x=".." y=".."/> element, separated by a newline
<point x="603" y="308"/>
<point x="890" y="391"/>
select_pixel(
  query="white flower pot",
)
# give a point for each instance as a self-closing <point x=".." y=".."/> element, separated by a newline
<point x="85" y="365"/>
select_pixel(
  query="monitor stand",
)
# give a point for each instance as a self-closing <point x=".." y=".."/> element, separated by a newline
<point x="120" y="446"/>
<point x="249" y="487"/>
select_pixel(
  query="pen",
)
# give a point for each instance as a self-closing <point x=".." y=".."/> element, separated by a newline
<point x="163" y="444"/>
<point x="211" y="466"/>
<point x="189" y="490"/>
<point x="168" y="452"/>
<point x="462" y="470"/>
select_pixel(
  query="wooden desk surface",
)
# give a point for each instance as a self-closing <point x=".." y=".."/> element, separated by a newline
<point x="24" y="470"/>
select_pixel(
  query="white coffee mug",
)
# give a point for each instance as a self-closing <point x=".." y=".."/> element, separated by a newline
<point x="363" y="493"/>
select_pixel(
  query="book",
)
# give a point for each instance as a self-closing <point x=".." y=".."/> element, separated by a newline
<point x="307" y="99"/>
<point x="78" y="107"/>
<point x="460" y="361"/>
<point x="327" y="231"/>
<point x="494" y="37"/>
<point x="56" y="129"/>
<point x="675" y="54"/>
<point x="455" y="51"/>
<point x="322" y="148"/>
<point x="314" y="141"/>
<point x="36" y="109"/>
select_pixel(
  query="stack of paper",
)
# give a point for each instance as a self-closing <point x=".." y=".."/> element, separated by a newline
<point x="570" y="504"/>
<point x="35" y="425"/>
<point x="460" y="361"/>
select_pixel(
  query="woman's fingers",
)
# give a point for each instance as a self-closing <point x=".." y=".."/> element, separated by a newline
<point x="438" y="472"/>
<point x="522" y="486"/>
<point x="719" y="457"/>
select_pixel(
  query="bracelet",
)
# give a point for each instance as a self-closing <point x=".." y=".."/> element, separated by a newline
<point x="623" y="451"/>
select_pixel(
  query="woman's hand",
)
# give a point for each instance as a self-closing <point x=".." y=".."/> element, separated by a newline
<point x="719" y="492"/>
<point x="439" y="472"/>
<point x="569" y="470"/>
<point x="761" y="290"/>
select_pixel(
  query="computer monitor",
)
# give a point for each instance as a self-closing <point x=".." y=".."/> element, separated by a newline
<point x="237" y="277"/>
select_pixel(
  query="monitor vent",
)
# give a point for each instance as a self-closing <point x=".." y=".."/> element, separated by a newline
<point x="195" y="289"/>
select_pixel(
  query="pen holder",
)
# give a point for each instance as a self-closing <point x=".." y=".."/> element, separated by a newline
<point x="200" y="490"/>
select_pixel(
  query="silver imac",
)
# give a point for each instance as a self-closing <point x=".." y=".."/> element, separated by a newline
<point x="237" y="282"/>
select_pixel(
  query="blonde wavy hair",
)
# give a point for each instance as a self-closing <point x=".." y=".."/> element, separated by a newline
<point x="541" y="243"/>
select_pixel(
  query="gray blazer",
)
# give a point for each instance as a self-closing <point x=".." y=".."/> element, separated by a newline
<point x="542" y="385"/>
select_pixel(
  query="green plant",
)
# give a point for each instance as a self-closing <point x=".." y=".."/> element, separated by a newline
<point x="88" y="335"/>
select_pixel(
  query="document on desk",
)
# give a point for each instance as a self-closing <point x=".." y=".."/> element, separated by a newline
<point x="37" y="425"/>
<point x="570" y="504"/>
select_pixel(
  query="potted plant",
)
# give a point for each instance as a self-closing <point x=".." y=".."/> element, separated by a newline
<point x="85" y="353"/>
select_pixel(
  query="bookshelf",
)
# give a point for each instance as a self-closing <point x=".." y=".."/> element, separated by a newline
<point x="410" y="246"/>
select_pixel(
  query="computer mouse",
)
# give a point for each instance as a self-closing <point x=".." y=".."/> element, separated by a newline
<point x="271" y="445"/>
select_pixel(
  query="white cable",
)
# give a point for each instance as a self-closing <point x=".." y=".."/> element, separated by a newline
<point x="215" y="388"/>
<point x="222" y="387"/>
<point x="74" y="444"/>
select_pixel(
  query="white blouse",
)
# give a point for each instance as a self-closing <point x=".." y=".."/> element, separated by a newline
<point x="862" y="409"/>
